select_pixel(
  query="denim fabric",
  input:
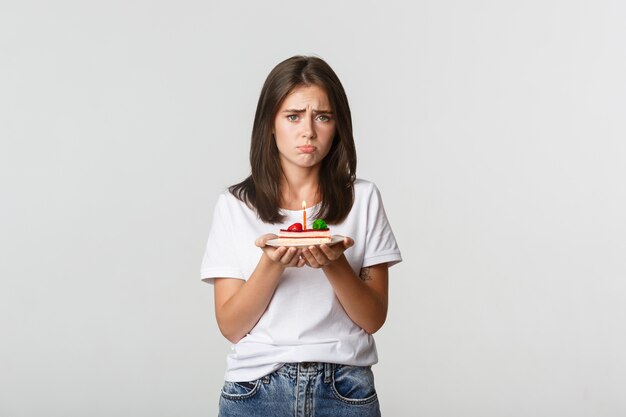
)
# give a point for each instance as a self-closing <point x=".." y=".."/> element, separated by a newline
<point x="307" y="389"/>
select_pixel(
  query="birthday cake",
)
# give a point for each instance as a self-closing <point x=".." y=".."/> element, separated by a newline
<point x="296" y="234"/>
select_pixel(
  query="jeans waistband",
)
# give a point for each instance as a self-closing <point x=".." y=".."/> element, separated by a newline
<point x="293" y="370"/>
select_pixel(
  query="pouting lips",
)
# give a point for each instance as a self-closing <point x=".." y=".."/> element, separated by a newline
<point x="307" y="149"/>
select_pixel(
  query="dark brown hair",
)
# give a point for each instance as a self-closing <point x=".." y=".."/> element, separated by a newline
<point x="261" y="190"/>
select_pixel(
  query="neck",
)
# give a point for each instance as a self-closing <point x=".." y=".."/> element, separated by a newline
<point x="300" y="186"/>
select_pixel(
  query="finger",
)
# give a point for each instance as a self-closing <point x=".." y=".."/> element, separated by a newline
<point x="319" y="256"/>
<point x="330" y="253"/>
<point x="345" y="244"/>
<point x="297" y="261"/>
<point x="288" y="256"/>
<point x="292" y="263"/>
<point x="276" y="254"/>
<point x="261" y="240"/>
<point x="310" y="259"/>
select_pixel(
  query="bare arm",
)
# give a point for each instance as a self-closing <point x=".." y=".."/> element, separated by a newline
<point x="364" y="297"/>
<point x="239" y="304"/>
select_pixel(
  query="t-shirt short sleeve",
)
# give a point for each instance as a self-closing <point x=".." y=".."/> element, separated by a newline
<point x="381" y="243"/>
<point x="219" y="259"/>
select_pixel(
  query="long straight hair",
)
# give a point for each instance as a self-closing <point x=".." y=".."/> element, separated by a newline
<point x="261" y="190"/>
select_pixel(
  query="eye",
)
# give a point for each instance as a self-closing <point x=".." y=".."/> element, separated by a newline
<point x="292" y="117"/>
<point x="323" y="118"/>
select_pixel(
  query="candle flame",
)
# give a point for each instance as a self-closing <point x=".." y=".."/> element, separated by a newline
<point x="303" y="205"/>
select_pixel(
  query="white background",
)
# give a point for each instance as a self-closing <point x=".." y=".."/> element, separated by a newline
<point x="495" y="131"/>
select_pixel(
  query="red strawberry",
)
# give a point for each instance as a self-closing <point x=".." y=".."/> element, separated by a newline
<point x="296" y="227"/>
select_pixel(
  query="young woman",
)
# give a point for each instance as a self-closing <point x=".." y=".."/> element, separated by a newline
<point x="300" y="319"/>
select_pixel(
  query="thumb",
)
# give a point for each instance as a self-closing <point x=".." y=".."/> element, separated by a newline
<point x="261" y="240"/>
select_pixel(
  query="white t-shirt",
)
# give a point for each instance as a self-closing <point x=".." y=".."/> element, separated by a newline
<point x="304" y="321"/>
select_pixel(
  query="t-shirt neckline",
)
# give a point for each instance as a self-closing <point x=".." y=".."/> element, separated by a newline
<point x="291" y="212"/>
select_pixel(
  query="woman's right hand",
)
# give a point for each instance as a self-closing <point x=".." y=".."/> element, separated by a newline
<point x="286" y="257"/>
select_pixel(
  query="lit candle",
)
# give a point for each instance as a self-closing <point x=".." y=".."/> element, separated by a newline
<point x="304" y="215"/>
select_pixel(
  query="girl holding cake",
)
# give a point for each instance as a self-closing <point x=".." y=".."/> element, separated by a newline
<point x="300" y="317"/>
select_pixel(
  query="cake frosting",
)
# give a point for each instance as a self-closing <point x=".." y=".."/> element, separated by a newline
<point x="295" y="234"/>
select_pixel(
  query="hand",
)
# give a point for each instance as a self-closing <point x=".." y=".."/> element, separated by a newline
<point x="323" y="255"/>
<point x="286" y="257"/>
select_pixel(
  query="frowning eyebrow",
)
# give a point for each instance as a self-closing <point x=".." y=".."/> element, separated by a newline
<point x="304" y="110"/>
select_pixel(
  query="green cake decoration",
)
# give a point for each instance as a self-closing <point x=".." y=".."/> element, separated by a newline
<point x="319" y="224"/>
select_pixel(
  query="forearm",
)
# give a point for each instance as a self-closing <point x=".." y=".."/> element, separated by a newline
<point x="240" y="312"/>
<point x="366" y="307"/>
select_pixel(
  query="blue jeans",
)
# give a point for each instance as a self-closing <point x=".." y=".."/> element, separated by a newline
<point x="308" y="389"/>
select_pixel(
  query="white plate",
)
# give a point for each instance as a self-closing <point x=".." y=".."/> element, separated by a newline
<point x="334" y="239"/>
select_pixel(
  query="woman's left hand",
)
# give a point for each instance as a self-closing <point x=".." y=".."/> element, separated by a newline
<point x="323" y="255"/>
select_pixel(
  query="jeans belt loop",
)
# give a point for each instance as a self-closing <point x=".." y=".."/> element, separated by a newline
<point x="328" y="372"/>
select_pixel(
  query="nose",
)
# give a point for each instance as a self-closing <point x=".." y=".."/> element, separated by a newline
<point x="308" y="128"/>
